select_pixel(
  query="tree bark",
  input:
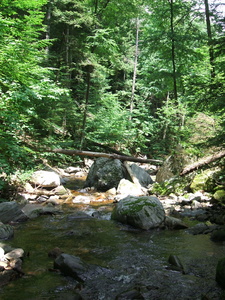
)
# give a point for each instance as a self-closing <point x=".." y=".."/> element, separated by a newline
<point x="173" y="55"/>
<point x="202" y="162"/>
<point x="209" y="33"/>
<point x="89" y="70"/>
<point x="107" y="155"/>
<point x="135" y="69"/>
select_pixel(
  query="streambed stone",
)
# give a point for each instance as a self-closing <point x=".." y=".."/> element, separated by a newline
<point x="145" y="212"/>
<point x="105" y="174"/>
<point x="220" y="273"/>
<point x="126" y="187"/>
<point x="11" y="211"/>
<point x="72" y="266"/>
<point x="35" y="210"/>
<point x="45" y="179"/>
<point x="6" y="231"/>
<point x="174" y="223"/>
<point x="10" y="265"/>
<point x="143" y="177"/>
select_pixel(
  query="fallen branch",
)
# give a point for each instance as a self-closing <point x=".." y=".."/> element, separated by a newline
<point x="202" y="162"/>
<point x="107" y="155"/>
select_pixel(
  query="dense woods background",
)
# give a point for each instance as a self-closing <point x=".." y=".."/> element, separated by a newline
<point x="136" y="76"/>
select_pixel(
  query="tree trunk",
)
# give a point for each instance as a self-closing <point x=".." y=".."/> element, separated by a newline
<point x="202" y="162"/>
<point x="107" y="155"/>
<point x="89" y="69"/>
<point x="135" y="69"/>
<point x="173" y="48"/>
<point x="48" y="21"/>
<point x="209" y="33"/>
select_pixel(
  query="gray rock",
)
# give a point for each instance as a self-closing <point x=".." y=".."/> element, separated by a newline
<point x="174" y="223"/>
<point x="11" y="211"/>
<point x="72" y="266"/>
<point x="15" y="254"/>
<point x="201" y="228"/>
<point x="6" y="231"/>
<point x="34" y="210"/>
<point x="45" y="179"/>
<point x="175" y="263"/>
<point x="143" y="177"/>
<point x="143" y="212"/>
<point x="105" y="174"/>
<point x="126" y="187"/>
<point x="218" y="235"/>
<point x="220" y="273"/>
<point x="7" y="276"/>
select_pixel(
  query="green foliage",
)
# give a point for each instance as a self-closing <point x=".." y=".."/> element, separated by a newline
<point x="175" y="185"/>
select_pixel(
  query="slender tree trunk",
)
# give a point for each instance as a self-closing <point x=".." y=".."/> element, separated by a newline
<point x="135" y="68"/>
<point x="89" y="69"/>
<point x="96" y="6"/>
<point x="171" y="2"/>
<point x="48" y="21"/>
<point x="209" y="33"/>
<point x="166" y="125"/>
<point x="68" y="58"/>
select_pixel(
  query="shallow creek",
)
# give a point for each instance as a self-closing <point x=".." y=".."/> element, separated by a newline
<point x="131" y="258"/>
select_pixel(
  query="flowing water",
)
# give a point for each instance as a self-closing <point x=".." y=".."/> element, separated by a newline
<point x="131" y="259"/>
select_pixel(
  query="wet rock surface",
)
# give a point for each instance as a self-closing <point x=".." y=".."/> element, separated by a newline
<point x="11" y="211"/>
<point x="10" y="265"/>
<point x="144" y="212"/>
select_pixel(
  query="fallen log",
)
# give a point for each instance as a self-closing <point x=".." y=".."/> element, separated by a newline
<point x="107" y="155"/>
<point x="202" y="162"/>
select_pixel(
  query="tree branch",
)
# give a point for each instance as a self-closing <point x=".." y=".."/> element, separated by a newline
<point x="107" y="155"/>
<point x="202" y="162"/>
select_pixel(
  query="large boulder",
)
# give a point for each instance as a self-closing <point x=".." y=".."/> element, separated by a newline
<point x="45" y="179"/>
<point x="11" y="211"/>
<point x="105" y="174"/>
<point x="143" y="177"/>
<point x="145" y="212"/>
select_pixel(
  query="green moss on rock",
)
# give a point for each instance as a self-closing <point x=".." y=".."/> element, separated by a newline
<point x="219" y="195"/>
<point x="202" y="181"/>
<point x="143" y="212"/>
<point x="137" y="205"/>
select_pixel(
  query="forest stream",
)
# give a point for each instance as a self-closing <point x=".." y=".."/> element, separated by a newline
<point x="131" y="259"/>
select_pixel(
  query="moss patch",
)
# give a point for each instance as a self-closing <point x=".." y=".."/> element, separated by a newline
<point x="202" y="181"/>
<point x="219" y="195"/>
<point x="137" y="205"/>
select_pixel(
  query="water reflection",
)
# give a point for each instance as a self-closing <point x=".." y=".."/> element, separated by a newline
<point x="133" y="258"/>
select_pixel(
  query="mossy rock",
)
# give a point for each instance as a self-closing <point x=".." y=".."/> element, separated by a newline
<point x="219" y="195"/>
<point x="220" y="273"/>
<point x="143" y="212"/>
<point x="203" y="181"/>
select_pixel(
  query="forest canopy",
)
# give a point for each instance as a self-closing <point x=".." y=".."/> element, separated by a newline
<point x="131" y="75"/>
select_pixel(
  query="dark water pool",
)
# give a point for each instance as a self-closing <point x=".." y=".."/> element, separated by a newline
<point x="131" y="258"/>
